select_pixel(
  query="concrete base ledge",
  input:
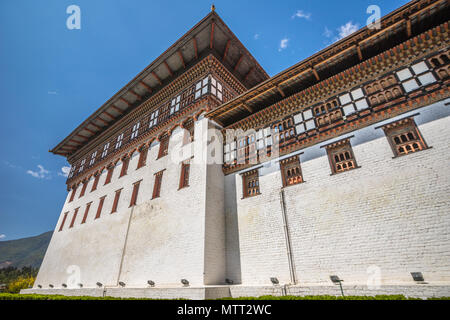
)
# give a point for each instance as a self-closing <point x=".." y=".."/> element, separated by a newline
<point x="216" y="292"/>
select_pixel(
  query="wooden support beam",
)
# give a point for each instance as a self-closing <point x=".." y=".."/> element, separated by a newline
<point x="249" y="109"/>
<point x="168" y="68"/>
<point x="281" y="91"/>
<point x="81" y="136"/>
<point x="156" y="77"/>
<point x="316" y="74"/>
<point x="94" y="125"/>
<point x="127" y="102"/>
<point x="227" y="47"/>
<point x="102" y="120"/>
<point x="358" y="48"/>
<point x="408" y="27"/>
<point x="89" y="130"/>
<point x="195" y="47"/>
<point x="146" y="86"/>
<point x="249" y="73"/>
<point x="75" y="141"/>
<point x="181" y="58"/>
<point x="109" y="115"/>
<point x="239" y="62"/>
<point x="117" y="109"/>
<point x="138" y="96"/>
<point x="211" y="40"/>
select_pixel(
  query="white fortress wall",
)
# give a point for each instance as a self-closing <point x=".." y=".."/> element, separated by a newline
<point x="388" y="217"/>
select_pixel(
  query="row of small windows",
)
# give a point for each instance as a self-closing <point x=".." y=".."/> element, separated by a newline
<point x="207" y="85"/>
<point x="403" y="136"/>
<point x="163" y="151"/>
<point x="184" y="182"/>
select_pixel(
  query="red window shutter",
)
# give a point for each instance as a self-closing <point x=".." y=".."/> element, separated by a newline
<point x="74" y="190"/>
<point x="157" y="186"/>
<point x="100" y="206"/>
<point x="116" y="201"/>
<point x="109" y="176"/>
<point x="135" y="193"/>
<point x="124" y="166"/>
<point x="94" y="186"/>
<point x="74" y="217"/>
<point x="86" y="212"/>
<point x="184" y="177"/>
<point x="163" y="147"/>
<point x="142" y="158"/>
<point x="83" y="190"/>
<point x="64" y="220"/>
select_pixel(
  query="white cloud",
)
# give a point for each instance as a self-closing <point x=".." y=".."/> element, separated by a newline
<point x="328" y="33"/>
<point x="64" y="172"/>
<point x="2" y="236"/>
<point x="52" y="92"/>
<point x="283" y="44"/>
<point x="41" y="174"/>
<point x="302" y="15"/>
<point x="256" y="36"/>
<point x="347" y="29"/>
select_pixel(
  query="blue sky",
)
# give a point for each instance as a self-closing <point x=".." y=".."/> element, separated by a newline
<point x="52" y="78"/>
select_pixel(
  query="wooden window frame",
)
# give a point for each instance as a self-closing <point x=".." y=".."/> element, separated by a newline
<point x="184" y="174"/>
<point x="74" y="191"/>
<point x="124" y="169"/>
<point x="86" y="212"/>
<point x="163" y="147"/>
<point x="100" y="207"/>
<point x="75" y="213"/>
<point x="63" y="221"/>
<point x="142" y="162"/>
<point x="95" y="184"/>
<point x="116" y="201"/>
<point x="247" y="178"/>
<point x="157" y="185"/>
<point x="135" y="193"/>
<point x="404" y="135"/>
<point x="83" y="189"/>
<point x="341" y="150"/>
<point x="109" y="174"/>
<point x="288" y="165"/>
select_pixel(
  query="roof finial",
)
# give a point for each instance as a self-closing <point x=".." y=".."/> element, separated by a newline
<point x="213" y="7"/>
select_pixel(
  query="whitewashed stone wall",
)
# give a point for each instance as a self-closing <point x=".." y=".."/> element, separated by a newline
<point x="389" y="213"/>
<point x="163" y="240"/>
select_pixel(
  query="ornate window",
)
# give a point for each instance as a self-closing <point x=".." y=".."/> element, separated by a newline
<point x="201" y="88"/>
<point x="157" y="186"/>
<point x="153" y="119"/>
<point x="86" y="211"/>
<point x="100" y="206"/>
<point x="72" y="171"/>
<point x="116" y="201"/>
<point x="250" y="182"/>
<point x="291" y="171"/>
<point x="74" y="190"/>
<point x="94" y="185"/>
<point x="125" y="162"/>
<point x="283" y="131"/>
<point x="109" y="175"/>
<point x="63" y="221"/>
<point x="134" y="195"/>
<point x="105" y="150"/>
<point x="142" y="157"/>
<point x="184" y="176"/>
<point x="93" y="158"/>
<point x="119" y="141"/>
<point x="216" y="89"/>
<point x="83" y="189"/>
<point x="74" y="217"/>
<point x="82" y="165"/>
<point x="404" y="137"/>
<point x="175" y="104"/>
<point x="163" y="146"/>
<point x="340" y="156"/>
<point x="417" y="75"/>
<point x="135" y="131"/>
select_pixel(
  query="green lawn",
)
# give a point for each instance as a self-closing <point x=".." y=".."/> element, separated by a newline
<point x="9" y="296"/>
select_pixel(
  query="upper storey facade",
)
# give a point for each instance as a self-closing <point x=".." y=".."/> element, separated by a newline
<point x="203" y="69"/>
